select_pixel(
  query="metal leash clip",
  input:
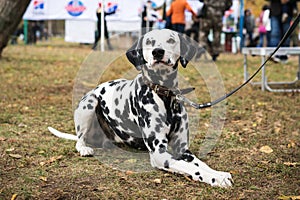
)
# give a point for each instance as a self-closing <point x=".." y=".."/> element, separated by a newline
<point x="182" y="99"/>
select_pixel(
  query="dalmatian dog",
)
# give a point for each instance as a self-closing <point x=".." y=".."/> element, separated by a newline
<point x="144" y="113"/>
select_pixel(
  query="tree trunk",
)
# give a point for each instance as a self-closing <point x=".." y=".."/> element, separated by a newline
<point x="11" y="12"/>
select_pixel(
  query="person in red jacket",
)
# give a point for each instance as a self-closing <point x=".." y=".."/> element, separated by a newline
<point x="176" y="12"/>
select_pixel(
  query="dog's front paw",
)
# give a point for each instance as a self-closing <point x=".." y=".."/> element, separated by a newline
<point x="83" y="149"/>
<point x="223" y="179"/>
<point x="86" y="151"/>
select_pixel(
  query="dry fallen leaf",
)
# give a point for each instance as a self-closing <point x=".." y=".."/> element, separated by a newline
<point x="129" y="172"/>
<point x="283" y="197"/>
<point x="266" y="149"/>
<point x="157" y="180"/>
<point x="51" y="160"/>
<point x="291" y="164"/>
<point x="41" y="152"/>
<point x="261" y="103"/>
<point x="234" y="172"/>
<point x="130" y="161"/>
<point x="17" y="156"/>
<point x="22" y="125"/>
<point x="188" y="178"/>
<point x="43" y="178"/>
<point x="277" y="129"/>
<point x="10" y="149"/>
<point x="292" y="144"/>
<point x="14" y="196"/>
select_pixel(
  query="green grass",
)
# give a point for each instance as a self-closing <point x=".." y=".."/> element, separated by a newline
<point x="36" y="92"/>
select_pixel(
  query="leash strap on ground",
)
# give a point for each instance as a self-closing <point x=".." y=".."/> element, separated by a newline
<point x="206" y="105"/>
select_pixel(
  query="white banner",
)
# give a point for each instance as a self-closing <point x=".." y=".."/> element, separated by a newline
<point x="61" y="9"/>
<point x="84" y="34"/>
<point x="126" y="17"/>
<point x="125" y="10"/>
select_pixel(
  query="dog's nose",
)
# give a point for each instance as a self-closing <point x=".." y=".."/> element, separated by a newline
<point x="158" y="53"/>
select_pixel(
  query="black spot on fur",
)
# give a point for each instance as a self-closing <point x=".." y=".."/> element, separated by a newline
<point x="188" y="151"/>
<point x="176" y="123"/>
<point x="156" y="141"/>
<point x="106" y="110"/>
<point x="103" y="91"/>
<point x="162" y="148"/>
<point x="155" y="107"/>
<point x="112" y="83"/>
<point x="123" y="86"/>
<point x="183" y="144"/>
<point x="116" y="101"/>
<point x="90" y="107"/>
<point x="142" y="92"/>
<point x="141" y="122"/>
<point x="213" y="180"/>
<point x="123" y="135"/>
<point x="197" y="173"/>
<point x="157" y="127"/>
<point x="187" y="156"/>
<point x="79" y="136"/>
<point x="200" y="178"/>
<point x="158" y="120"/>
<point x="150" y="140"/>
<point x="78" y="128"/>
<point x="102" y="103"/>
<point x="133" y="110"/>
<point x="117" y="113"/>
<point x="166" y="164"/>
<point x="84" y="98"/>
<point x="197" y="164"/>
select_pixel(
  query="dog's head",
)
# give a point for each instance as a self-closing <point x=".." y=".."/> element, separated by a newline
<point x="159" y="51"/>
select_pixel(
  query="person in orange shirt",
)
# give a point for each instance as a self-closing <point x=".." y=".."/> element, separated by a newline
<point x="176" y="12"/>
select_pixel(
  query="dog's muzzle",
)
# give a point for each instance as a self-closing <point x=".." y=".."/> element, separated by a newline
<point x="158" y="54"/>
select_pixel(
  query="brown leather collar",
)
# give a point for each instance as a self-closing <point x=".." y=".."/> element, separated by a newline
<point x="161" y="90"/>
<point x="165" y="91"/>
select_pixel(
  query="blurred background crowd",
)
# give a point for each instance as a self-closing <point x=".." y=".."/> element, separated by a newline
<point x="217" y="26"/>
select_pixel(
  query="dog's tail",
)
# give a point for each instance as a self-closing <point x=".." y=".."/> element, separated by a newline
<point x="62" y="135"/>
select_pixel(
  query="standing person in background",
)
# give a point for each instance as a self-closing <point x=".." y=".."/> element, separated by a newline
<point x="149" y="15"/>
<point x="281" y="13"/>
<point x="295" y="36"/>
<point x="194" y="29"/>
<point x="212" y="20"/>
<point x="249" y="25"/>
<point x="264" y="27"/>
<point x="176" y="12"/>
<point x="97" y="38"/>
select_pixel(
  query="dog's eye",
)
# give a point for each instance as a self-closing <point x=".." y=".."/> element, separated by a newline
<point x="148" y="42"/>
<point x="171" y="41"/>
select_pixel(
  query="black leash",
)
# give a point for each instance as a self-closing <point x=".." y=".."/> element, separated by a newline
<point x="181" y="98"/>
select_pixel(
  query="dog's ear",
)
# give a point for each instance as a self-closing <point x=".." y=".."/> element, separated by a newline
<point x="135" y="54"/>
<point x="187" y="50"/>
